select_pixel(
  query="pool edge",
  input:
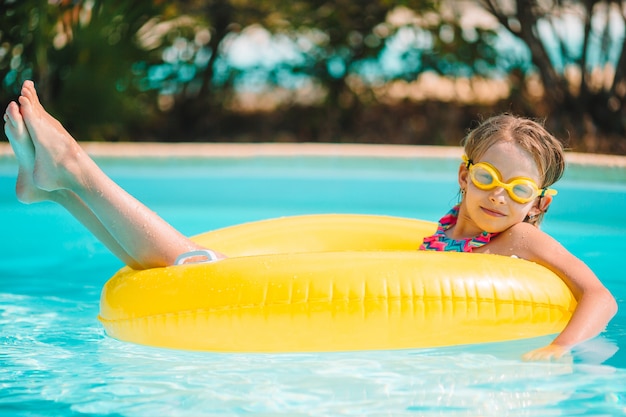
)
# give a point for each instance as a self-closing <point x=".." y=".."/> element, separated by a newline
<point x="199" y="150"/>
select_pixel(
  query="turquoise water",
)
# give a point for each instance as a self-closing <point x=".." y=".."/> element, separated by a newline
<point x="56" y="361"/>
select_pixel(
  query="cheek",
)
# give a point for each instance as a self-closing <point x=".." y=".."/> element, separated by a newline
<point x="519" y="212"/>
<point x="474" y="198"/>
<point x="474" y="194"/>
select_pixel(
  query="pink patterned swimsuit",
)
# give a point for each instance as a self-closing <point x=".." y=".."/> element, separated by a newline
<point x="440" y="242"/>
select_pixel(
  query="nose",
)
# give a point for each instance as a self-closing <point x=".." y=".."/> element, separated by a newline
<point x="498" y="195"/>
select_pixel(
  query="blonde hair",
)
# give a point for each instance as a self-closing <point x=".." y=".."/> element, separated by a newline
<point x="530" y="135"/>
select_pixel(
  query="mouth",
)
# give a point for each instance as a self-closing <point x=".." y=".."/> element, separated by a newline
<point x="493" y="213"/>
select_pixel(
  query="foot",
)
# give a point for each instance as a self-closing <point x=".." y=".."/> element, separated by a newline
<point x="15" y="129"/>
<point x="58" y="155"/>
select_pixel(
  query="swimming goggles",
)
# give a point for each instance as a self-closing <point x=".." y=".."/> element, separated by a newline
<point x="521" y="189"/>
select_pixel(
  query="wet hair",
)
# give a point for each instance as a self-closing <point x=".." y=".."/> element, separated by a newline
<point x="530" y="135"/>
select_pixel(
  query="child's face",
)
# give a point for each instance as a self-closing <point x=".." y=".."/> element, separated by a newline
<point x="494" y="210"/>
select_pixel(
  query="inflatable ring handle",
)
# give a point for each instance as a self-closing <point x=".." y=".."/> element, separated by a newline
<point x="184" y="258"/>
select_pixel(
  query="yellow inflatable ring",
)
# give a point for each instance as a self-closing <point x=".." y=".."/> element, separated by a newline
<point x="333" y="283"/>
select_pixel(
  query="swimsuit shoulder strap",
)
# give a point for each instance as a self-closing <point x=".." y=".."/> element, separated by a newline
<point x="441" y="242"/>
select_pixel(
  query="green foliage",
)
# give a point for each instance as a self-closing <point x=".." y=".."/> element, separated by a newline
<point x="578" y="50"/>
<point x="340" y="43"/>
<point x="24" y="33"/>
<point x="150" y="69"/>
<point x="84" y="58"/>
<point x="105" y="68"/>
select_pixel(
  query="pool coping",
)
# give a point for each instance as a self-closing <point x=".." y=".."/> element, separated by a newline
<point x="242" y="150"/>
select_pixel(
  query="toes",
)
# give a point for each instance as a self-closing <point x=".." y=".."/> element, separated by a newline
<point x="27" y="86"/>
<point x="12" y="115"/>
<point x="26" y="108"/>
<point x="28" y="90"/>
<point x="14" y="126"/>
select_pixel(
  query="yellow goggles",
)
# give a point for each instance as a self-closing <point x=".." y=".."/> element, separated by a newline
<point x="521" y="189"/>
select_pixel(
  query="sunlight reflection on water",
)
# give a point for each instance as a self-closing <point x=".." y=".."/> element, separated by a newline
<point x="55" y="358"/>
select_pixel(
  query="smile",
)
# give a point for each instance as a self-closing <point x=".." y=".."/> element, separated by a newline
<point x="492" y="212"/>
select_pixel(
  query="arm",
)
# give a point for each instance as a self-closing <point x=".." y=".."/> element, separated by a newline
<point x="596" y="306"/>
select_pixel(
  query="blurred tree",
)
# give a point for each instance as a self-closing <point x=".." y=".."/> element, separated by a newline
<point x="195" y="103"/>
<point x="578" y="48"/>
<point x="164" y="70"/>
<point x="341" y="43"/>
<point x="82" y="54"/>
<point x="444" y="44"/>
<point x="24" y="38"/>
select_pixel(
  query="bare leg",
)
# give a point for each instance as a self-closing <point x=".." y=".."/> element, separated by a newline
<point x="61" y="166"/>
<point x="27" y="192"/>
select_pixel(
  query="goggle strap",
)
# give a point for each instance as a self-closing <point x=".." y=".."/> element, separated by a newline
<point x="468" y="161"/>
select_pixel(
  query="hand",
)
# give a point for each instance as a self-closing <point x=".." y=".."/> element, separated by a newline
<point x="551" y="352"/>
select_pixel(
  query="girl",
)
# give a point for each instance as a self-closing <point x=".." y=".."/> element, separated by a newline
<point x="509" y="164"/>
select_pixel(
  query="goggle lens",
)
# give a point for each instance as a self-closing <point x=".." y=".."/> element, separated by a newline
<point x="522" y="189"/>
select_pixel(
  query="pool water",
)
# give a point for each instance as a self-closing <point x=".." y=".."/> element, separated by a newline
<point x="55" y="359"/>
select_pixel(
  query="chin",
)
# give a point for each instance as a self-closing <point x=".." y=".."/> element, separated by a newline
<point x="495" y="227"/>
